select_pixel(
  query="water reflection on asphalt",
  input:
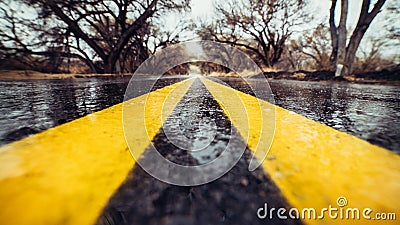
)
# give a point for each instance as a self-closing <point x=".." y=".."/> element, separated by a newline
<point x="31" y="106"/>
<point x="198" y="126"/>
<point x="370" y="112"/>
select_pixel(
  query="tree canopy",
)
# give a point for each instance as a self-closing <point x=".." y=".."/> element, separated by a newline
<point x="259" y="26"/>
<point x="116" y="36"/>
<point x="105" y="35"/>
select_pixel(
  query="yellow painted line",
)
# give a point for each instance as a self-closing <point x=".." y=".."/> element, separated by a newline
<point x="314" y="164"/>
<point x="66" y="174"/>
<point x="159" y="105"/>
<point x="255" y="125"/>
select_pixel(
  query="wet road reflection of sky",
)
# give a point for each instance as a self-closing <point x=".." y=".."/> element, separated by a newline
<point x="370" y="112"/>
<point x="32" y="106"/>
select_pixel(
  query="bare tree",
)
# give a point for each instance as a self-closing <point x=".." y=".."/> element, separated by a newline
<point x="17" y="40"/>
<point x="343" y="55"/>
<point x="293" y="57"/>
<point x="104" y="34"/>
<point x="370" y="58"/>
<point x="260" y="26"/>
<point x="315" y="45"/>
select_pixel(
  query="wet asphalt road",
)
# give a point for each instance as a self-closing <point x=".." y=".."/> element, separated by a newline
<point x="28" y="107"/>
<point x="232" y="199"/>
<point x="370" y="112"/>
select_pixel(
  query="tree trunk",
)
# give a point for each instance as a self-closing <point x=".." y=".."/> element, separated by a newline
<point x="363" y="23"/>
<point x="343" y="57"/>
<point x="110" y="59"/>
<point x="342" y="34"/>
<point x="352" y="47"/>
<point x="109" y="66"/>
<point x="334" y="34"/>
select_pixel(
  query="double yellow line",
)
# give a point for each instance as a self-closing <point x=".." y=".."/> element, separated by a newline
<point x="65" y="175"/>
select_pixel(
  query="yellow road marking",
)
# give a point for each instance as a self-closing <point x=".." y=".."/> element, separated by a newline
<point x="259" y="137"/>
<point x="159" y="105"/>
<point x="66" y="174"/>
<point x="314" y="164"/>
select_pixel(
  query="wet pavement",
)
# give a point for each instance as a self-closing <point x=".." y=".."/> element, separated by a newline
<point x="28" y="107"/>
<point x="370" y="112"/>
<point x="185" y="139"/>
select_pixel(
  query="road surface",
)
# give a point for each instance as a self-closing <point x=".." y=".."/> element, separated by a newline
<point x="82" y="172"/>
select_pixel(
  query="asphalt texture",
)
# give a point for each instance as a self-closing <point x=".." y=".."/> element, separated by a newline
<point x="234" y="198"/>
<point x="366" y="111"/>
<point x="29" y="107"/>
<point x="369" y="112"/>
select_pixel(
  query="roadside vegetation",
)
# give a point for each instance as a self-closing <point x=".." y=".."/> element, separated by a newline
<point x="116" y="36"/>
